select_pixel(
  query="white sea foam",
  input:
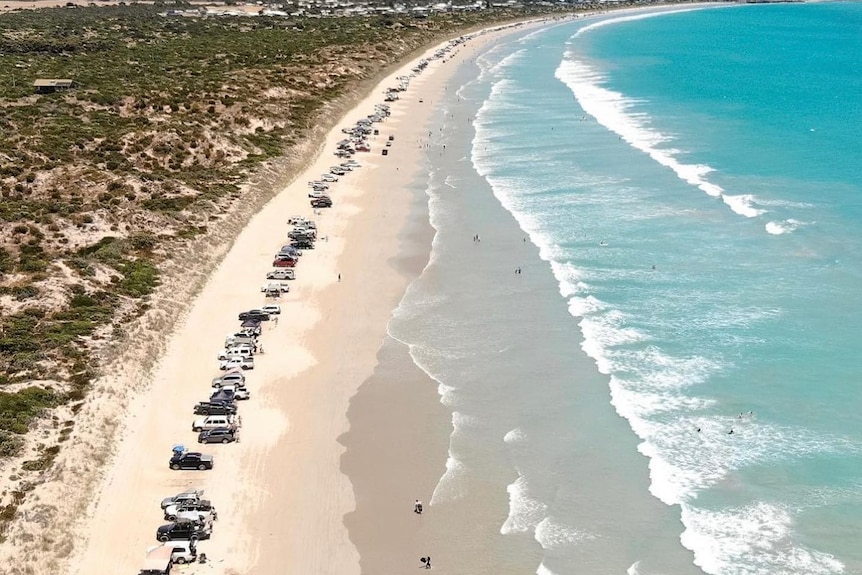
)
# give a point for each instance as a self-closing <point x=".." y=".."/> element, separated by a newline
<point x="448" y="488"/>
<point x="751" y="540"/>
<point x="583" y="306"/>
<point x="634" y="569"/>
<point x="543" y="570"/>
<point x="783" y="227"/>
<point x="525" y="513"/>
<point x="553" y="534"/>
<point x="617" y="113"/>
<point x="629" y="18"/>
<point x="515" y="436"/>
<point x="743" y="205"/>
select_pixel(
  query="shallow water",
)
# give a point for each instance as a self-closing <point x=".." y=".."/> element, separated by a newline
<point x="688" y="185"/>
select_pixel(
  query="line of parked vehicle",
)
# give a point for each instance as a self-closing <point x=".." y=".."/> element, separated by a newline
<point x="190" y="516"/>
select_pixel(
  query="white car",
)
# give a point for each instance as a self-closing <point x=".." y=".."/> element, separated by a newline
<point x="352" y="163"/>
<point x="272" y="309"/>
<point x="337" y="170"/>
<point x="328" y="178"/>
<point x="182" y="551"/>
<point x="317" y="193"/>
<point x="345" y="167"/>
<point x="236" y="362"/>
<point x="213" y="421"/>
<point x="233" y="378"/>
<point x="241" y="350"/>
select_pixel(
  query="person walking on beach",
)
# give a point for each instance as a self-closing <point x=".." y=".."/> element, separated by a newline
<point x="426" y="561"/>
<point x="339" y="277"/>
<point x="417" y="507"/>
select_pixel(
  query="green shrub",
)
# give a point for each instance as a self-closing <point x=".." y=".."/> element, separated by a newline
<point x="18" y="409"/>
<point x="140" y="278"/>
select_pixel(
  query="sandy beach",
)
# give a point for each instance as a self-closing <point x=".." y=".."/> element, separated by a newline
<point x="281" y="494"/>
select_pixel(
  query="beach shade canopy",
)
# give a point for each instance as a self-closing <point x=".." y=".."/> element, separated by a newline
<point x="251" y="323"/>
<point x="178" y="448"/>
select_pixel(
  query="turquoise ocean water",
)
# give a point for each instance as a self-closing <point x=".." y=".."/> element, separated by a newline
<point x="692" y="184"/>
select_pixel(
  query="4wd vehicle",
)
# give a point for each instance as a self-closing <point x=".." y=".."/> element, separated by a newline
<point x="181" y="551"/>
<point x="229" y="394"/>
<point x="284" y="261"/>
<point x="214" y="408"/>
<point x="281" y="275"/>
<point x="236" y="362"/>
<point x="213" y="422"/>
<point x="303" y="244"/>
<point x="204" y="506"/>
<point x="274" y="289"/>
<point x="325" y="202"/>
<point x="219" y="435"/>
<point x="328" y="178"/>
<point x="254" y="314"/>
<point x="184" y="497"/>
<point x="191" y="460"/>
<point x="186" y="530"/>
<point x="230" y="378"/>
<point x="337" y="170"/>
<point x="240" y="350"/>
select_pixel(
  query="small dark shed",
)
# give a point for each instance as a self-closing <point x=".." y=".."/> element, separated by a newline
<point x="51" y="85"/>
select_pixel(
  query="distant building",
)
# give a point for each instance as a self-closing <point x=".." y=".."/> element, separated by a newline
<point x="51" y="85"/>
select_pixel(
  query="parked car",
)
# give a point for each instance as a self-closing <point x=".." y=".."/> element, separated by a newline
<point x="254" y="314"/>
<point x="202" y="505"/>
<point x="337" y="171"/>
<point x="181" y="551"/>
<point x="281" y="275"/>
<point x="230" y="393"/>
<point x="321" y="202"/>
<point x="184" y="496"/>
<point x="185" y="530"/>
<point x="328" y="178"/>
<point x="234" y="377"/>
<point x="213" y="421"/>
<point x="236" y="362"/>
<point x="272" y="309"/>
<point x="214" y="408"/>
<point x="285" y="261"/>
<point x="275" y="289"/>
<point x="301" y="233"/>
<point x="191" y="460"/>
<point x="303" y="244"/>
<point x="241" y="350"/>
<point x="219" y="435"/>
<point x="352" y="163"/>
<point x="317" y="193"/>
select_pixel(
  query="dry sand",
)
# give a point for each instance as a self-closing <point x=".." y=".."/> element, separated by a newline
<point x="281" y="494"/>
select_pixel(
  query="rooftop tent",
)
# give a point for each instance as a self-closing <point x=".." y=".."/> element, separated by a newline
<point x="251" y="323"/>
<point x="158" y="561"/>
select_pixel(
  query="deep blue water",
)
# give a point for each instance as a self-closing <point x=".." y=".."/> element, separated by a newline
<point x="694" y="181"/>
